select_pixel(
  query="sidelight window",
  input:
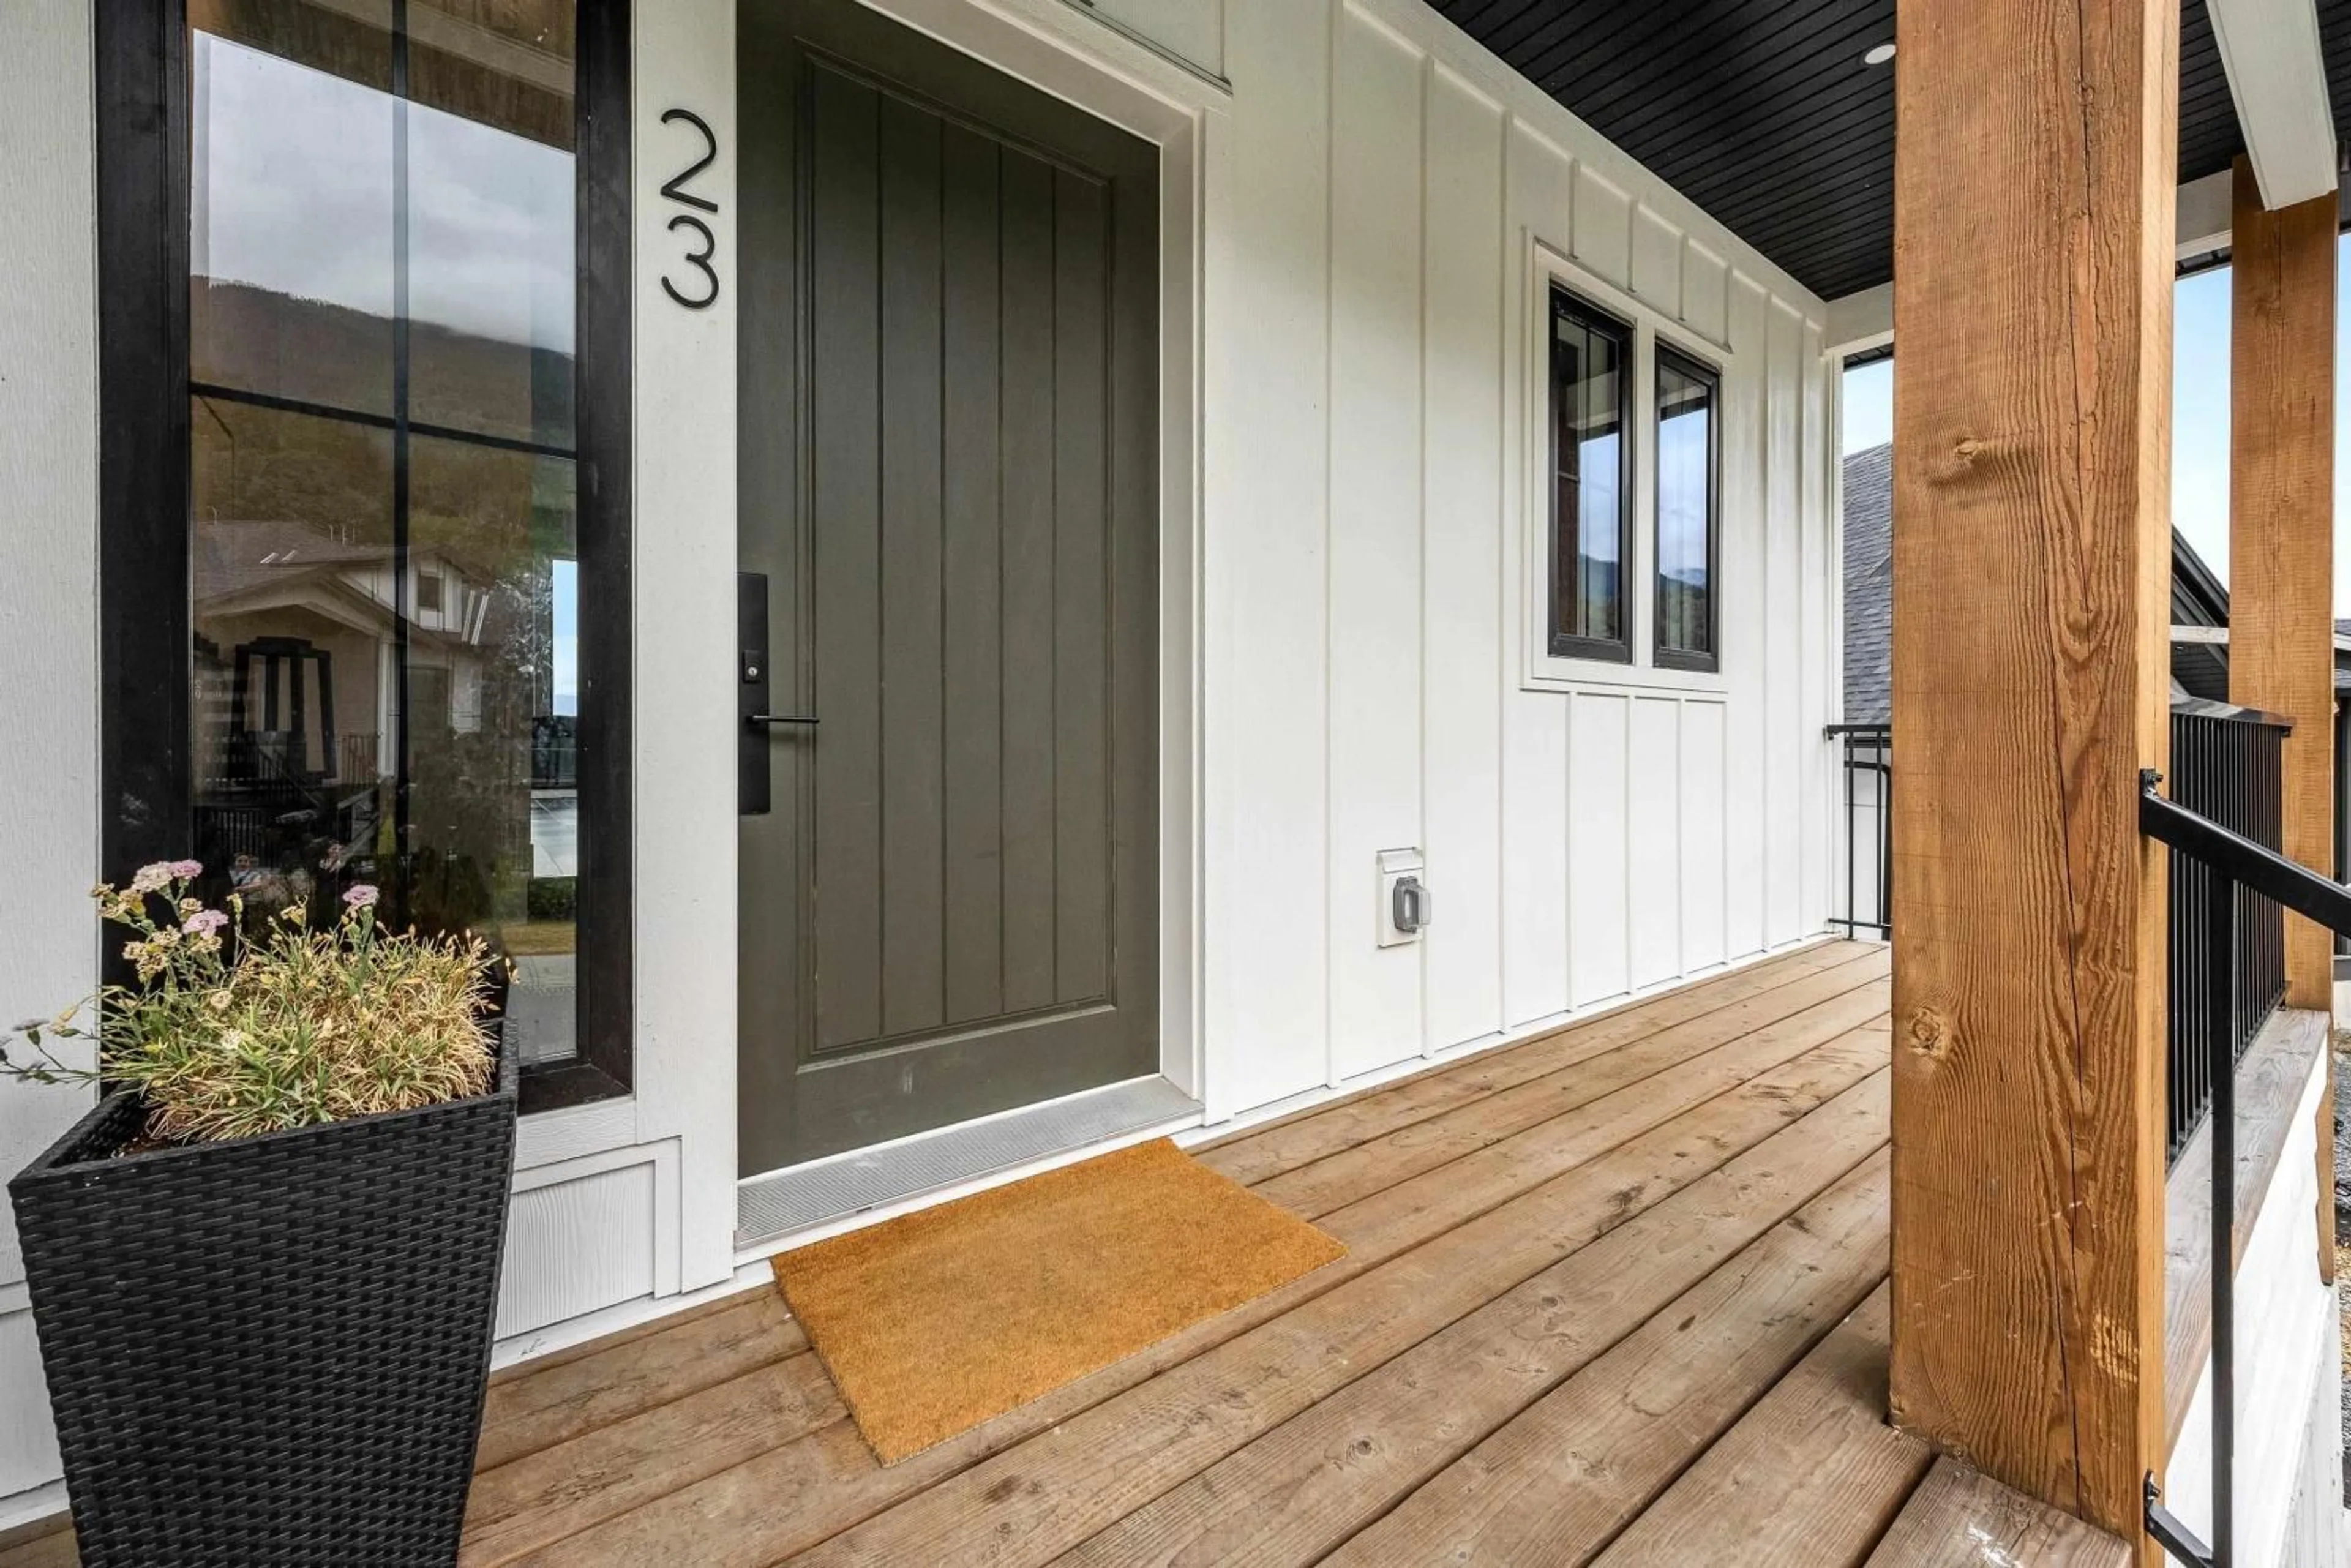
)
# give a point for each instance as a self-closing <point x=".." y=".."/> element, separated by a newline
<point x="1591" y="492"/>
<point x="404" y="590"/>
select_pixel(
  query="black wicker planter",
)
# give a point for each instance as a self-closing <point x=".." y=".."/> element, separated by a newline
<point x="274" y="1350"/>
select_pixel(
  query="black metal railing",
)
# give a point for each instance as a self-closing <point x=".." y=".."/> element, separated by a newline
<point x="2226" y="766"/>
<point x="2229" y="865"/>
<point x="1868" y="755"/>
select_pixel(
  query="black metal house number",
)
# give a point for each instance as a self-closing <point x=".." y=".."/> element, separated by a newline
<point x="706" y="291"/>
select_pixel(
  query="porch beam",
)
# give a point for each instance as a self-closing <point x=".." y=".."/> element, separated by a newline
<point x="2281" y="525"/>
<point x="2277" y="80"/>
<point x="2206" y="208"/>
<point x="2034" y="183"/>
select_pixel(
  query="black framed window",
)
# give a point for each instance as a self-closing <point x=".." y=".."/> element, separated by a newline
<point x="1688" y="460"/>
<point x="1591" y="419"/>
<point x="365" y="382"/>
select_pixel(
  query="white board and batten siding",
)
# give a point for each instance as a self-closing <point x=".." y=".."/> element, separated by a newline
<point x="1387" y="205"/>
<point x="1362" y="214"/>
<point x="49" y="635"/>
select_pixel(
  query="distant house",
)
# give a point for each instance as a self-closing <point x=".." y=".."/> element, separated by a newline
<point x="2200" y="626"/>
<point x="294" y="631"/>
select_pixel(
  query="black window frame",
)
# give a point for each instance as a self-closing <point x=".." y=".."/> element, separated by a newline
<point x="1564" y="644"/>
<point x="146" y="791"/>
<point x="1691" y="366"/>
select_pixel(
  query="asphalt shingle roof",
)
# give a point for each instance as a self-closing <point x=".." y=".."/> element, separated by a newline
<point x="1869" y="586"/>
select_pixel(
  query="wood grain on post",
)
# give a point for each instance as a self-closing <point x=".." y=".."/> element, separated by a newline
<point x="2281" y="525"/>
<point x="2034" y="175"/>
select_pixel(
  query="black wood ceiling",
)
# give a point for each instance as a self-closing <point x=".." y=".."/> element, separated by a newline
<point x="1762" y="113"/>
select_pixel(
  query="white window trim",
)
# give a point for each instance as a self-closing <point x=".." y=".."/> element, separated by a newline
<point x="1542" y="670"/>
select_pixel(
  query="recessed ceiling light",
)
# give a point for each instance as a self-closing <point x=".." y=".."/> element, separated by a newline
<point x="1878" y="55"/>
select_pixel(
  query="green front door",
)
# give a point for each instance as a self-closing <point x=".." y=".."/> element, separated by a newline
<point x="949" y="467"/>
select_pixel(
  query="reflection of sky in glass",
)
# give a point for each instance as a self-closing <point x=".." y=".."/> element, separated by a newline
<point x="1682" y="453"/>
<point x="489" y="231"/>
<point x="1596" y="514"/>
<point x="567" y="636"/>
<point x="292" y="180"/>
<point x="292" y="194"/>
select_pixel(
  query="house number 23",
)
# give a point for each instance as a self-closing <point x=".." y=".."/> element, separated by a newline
<point x="700" y="293"/>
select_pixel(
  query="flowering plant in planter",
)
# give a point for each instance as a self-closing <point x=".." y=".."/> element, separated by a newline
<point x="263" y="1266"/>
<point x="232" y="1032"/>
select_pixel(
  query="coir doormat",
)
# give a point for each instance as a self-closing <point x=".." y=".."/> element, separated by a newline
<point x="935" y="1322"/>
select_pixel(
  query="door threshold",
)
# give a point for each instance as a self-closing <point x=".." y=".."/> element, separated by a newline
<point x="840" y="1185"/>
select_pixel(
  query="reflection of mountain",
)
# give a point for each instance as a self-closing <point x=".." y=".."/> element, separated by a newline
<point x="495" y="510"/>
<point x="318" y="648"/>
<point x="1682" y="609"/>
<point x="255" y="338"/>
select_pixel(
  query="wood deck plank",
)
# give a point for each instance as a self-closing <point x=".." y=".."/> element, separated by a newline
<point x="43" y="1542"/>
<point x="1251" y="1156"/>
<point x="1531" y="1262"/>
<point x="1476" y="1183"/>
<point x="51" y="1549"/>
<point x="555" y="1492"/>
<point x="800" y="1494"/>
<point x="1560" y="1481"/>
<point x="554" y="1404"/>
<point x="1789" y="1019"/>
<point x="1302" y="1488"/>
<point x="1810" y="1478"/>
<point x="1959" y="1518"/>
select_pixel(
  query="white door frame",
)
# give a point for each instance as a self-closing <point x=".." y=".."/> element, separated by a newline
<point x="684" y="411"/>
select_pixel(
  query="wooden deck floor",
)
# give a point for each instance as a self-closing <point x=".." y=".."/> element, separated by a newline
<point x="1613" y="1295"/>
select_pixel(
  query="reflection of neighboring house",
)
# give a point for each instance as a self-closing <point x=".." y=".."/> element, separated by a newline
<point x="297" y="644"/>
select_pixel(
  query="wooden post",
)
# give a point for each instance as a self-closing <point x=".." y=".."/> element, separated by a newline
<point x="2281" y="525"/>
<point x="2034" y="174"/>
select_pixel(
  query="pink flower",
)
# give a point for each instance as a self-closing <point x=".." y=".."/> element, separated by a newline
<point x="205" y="922"/>
<point x="187" y="871"/>
<point x="152" y="877"/>
<point x="361" y="897"/>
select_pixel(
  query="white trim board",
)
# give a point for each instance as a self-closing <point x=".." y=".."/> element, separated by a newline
<point x="2277" y="79"/>
<point x="846" y="1186"/>
<point x="2285" y="1344"/>
<point x="34" y="1502"/>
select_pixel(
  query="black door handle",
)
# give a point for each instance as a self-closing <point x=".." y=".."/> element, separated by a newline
<point x="756" y="719"/>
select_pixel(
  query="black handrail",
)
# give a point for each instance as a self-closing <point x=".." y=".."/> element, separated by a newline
<point x="2234" y="861"/>
<point x="2258" y="866"/>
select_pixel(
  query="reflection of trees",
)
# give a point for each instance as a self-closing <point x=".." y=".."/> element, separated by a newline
<point x="497" y="518"/>
<point x="470" y="801"/>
